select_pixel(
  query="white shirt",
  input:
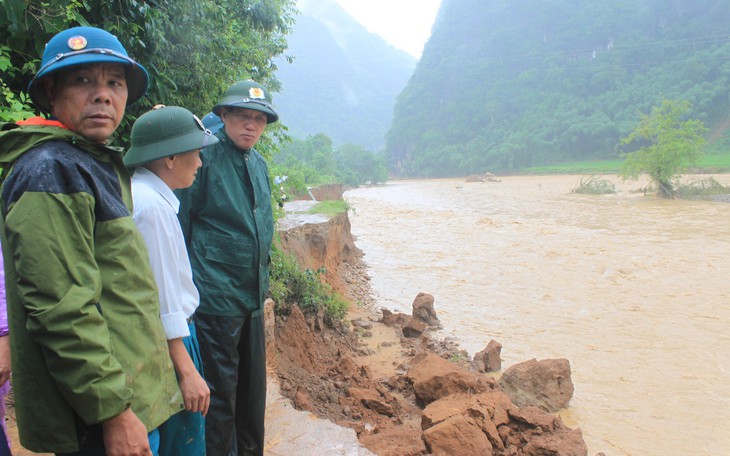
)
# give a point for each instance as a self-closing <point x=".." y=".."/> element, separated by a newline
<point x="155" y="214"/>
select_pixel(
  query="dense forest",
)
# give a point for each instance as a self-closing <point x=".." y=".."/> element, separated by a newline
<point x="342" y="80"/>
<point x="508" y="84"/>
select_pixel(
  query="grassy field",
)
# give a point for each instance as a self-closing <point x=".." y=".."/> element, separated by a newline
<point x="330" y="207"/>
<point x="708" y="164"/>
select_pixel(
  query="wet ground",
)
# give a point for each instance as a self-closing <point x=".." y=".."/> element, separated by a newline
<point x="297" y="213"/>
<point x="292" y="432"/>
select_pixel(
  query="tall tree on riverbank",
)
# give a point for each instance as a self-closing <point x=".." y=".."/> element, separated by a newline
<point x="671" y="143"/>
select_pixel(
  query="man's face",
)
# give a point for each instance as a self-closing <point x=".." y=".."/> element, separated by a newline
<point x="89" y="99"/>
<point x="243" y="126"/>
<point x="185" y="167"/>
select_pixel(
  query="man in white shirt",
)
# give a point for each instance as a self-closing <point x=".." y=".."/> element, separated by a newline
<point x="165" y="150"/>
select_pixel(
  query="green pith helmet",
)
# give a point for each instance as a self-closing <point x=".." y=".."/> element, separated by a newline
<point x="250" y="95"/>
<point x="83" y="46"/>
<point x="167" y="131"/>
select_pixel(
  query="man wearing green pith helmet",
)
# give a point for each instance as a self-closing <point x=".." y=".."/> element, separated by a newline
<point x="91" y="367"/>
<point x="165" y="150"/>
<point x="227" y="220"/>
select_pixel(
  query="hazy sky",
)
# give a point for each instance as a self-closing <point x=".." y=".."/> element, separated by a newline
<point x="406" y="24"/>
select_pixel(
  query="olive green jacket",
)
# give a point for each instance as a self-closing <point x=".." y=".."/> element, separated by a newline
<point x="227" y="220"/>
<point x="86" y="337"/>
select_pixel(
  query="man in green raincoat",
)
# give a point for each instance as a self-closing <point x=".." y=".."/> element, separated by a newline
<point x="91" y="369"/>
<point x="227" y="220"/>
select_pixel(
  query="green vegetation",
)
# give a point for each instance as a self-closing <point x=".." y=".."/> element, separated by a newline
<point x="707" y="164"/>
<point x="290" y="285"/>
<point x="193" y="49"/>
<point x="330" y="207"/>
<point x="702" y="189"/>
<point x="13" y="106"/>
<point x="579" y="167"/>
<point x="188" y="46"/>
<point x="314" y="162"/>
<point x="505" y="86"/>
<point x="595" y="185"/>
<point x="673" y="144"/>
<point x="715" y="163"/>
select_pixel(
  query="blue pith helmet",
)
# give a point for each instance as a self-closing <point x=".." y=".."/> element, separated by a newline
<point x="250" y="95"/>
<point x="212" y="122"/>
<point x="86" y="45"/>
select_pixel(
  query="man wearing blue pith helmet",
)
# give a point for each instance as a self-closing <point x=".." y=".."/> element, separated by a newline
<point x="92" y="372"/>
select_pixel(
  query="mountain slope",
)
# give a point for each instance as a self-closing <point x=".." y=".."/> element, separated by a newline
<point x="344" y="80"/>
<point x="507" y="84"/>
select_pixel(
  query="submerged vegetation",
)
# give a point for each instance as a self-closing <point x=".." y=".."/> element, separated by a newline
<point x="702" y="189"/>
<point x="595" y="185"/>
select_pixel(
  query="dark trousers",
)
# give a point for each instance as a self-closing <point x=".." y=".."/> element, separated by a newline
<point x="4" y="447"/>
<point x="233" y="350"/>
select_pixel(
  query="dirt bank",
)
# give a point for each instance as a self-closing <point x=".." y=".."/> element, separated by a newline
<point x="392" y="389"/>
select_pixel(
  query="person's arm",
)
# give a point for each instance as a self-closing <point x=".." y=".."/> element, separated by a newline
<point x="196" y="393"/>
<point x="4" y="359"/>
<point x="126" y="435"/>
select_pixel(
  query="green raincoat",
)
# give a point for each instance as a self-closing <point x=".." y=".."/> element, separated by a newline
<point x="229" y="237"/>
<point x="86" y="337"/>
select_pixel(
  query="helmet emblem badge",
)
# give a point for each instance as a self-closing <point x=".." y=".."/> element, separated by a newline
<point x="256" y="93"/>
<point x="200" y="122"/>
<point x="77" y="43"/>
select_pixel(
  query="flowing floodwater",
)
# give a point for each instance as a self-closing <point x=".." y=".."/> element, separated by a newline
<point x="633" y="290"/>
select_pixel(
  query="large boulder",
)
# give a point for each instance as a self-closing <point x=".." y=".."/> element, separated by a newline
<point x="433" y="377"/>
<point x="413" y="328"/>
<point x="394" y="319"/>
<point x="399" y="441"/>
<point x="457" y="435"/>
<point x="371" y="399"/>
<point x="546" y="383"/>
<point x="488" y="423"/>
<point x="423" y="310"/>
<point x="489" y="359"/>
<point x="545" y="434"/>
<point x="486" y="410"/>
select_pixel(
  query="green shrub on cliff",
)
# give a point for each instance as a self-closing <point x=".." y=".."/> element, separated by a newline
<point x="290" y="284"/>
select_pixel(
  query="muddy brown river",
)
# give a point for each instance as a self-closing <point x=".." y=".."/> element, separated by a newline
<point x="633" y="290"/>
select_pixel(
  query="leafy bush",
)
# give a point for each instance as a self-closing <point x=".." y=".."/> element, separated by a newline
<point x="314" y="162"/>
<point x="595" y="186"/>
<point x="702" y="189"/>
<point x="13" y="107"/>
<point x="290" y="284"/>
